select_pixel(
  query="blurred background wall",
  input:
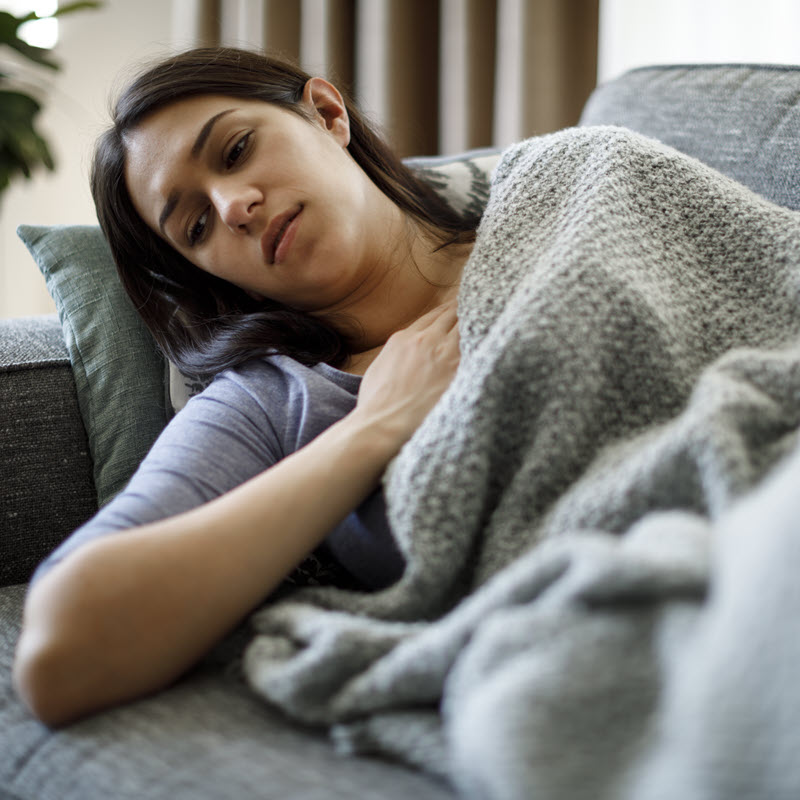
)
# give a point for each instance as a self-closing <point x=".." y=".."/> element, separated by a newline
<point x="437" y="75"/>
<point x="635" y="33"/>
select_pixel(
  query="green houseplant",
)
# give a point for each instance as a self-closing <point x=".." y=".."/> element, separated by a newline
<point x="22" y="147"/>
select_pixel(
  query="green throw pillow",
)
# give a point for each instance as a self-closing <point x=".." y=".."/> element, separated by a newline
<point x="119" y="374"/>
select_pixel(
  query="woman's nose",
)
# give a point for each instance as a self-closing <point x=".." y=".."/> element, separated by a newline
<point x="237" y="207"/>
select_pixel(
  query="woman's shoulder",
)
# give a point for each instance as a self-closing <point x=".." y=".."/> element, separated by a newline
<point x="277" y="388"/>
<point x="278" y="372"/>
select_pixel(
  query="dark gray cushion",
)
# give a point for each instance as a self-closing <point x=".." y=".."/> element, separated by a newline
<point x="743" y="120"/>
<point x="207" y="737"/>
<point x="45" y="467"/>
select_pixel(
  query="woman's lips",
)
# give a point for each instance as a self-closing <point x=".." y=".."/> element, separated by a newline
<point x="279" y="235"/>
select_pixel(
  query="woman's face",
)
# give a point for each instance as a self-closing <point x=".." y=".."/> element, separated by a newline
<point x="261" y="197"/>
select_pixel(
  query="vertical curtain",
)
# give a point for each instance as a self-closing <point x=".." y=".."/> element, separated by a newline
<point x="439" y="76"/>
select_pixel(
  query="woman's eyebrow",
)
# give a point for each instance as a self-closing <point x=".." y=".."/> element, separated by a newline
<point x="205" y="132"/>
<point x="197" y="147"/>
<point x="169" y="207"/>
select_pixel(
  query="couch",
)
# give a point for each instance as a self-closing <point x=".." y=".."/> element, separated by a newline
<point x="66" y="447"/>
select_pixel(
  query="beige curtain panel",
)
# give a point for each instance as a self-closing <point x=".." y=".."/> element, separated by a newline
<point x="439" y="76"/>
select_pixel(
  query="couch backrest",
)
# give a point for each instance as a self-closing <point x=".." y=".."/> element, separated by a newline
<point x="743" y="120"/>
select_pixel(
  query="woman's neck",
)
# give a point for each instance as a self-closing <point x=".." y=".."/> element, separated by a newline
<point x="426" y="279"/>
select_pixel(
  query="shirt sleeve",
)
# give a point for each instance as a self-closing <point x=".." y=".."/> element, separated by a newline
<point x="222" y="438"/>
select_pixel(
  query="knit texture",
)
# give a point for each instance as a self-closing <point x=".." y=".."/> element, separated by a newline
<point x="630" y="370"/>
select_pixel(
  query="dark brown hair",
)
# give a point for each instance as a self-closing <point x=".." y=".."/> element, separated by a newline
<point x="202" y="323"/>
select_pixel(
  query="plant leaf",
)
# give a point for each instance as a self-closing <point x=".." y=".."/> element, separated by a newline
<point x="77" y="6"/>
<point x="17" y="106"/>
<point x="32" y="16"/>
<point x="5" y="177"/>
<point x="21" y="146"/>
<point x="8" y="36"/>
<point x="9" y="25"/>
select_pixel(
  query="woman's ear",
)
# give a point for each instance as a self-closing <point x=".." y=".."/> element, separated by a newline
<point x="323" y="100"/>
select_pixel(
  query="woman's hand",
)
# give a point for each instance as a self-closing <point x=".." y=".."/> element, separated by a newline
<point x="411" y="373"/>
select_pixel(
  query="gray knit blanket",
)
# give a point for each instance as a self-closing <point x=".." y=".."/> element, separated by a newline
<point x="601" y="517"/>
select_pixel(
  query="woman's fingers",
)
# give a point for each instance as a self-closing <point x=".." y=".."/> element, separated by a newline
<point x="413" y="370"/>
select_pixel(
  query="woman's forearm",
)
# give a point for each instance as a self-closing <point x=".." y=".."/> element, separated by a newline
<point x="127" y="614"/>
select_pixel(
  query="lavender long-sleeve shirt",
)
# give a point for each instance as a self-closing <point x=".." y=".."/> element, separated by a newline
<point x="244" y="422"/>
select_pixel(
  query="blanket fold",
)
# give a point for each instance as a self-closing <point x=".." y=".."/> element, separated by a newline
<point x="630" y="370"/>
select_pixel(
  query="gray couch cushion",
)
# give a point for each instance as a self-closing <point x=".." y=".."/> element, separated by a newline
<point x="207" y="737"/>
<point x="743" y="120"/>
<point x="45" y="467"/>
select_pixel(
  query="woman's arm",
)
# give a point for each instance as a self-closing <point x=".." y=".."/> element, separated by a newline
<point x="127" y="614"/>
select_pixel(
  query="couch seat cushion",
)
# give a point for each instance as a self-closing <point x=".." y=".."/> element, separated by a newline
<point x="206" y="737"/>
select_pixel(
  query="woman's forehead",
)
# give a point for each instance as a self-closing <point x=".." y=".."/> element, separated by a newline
<point x="187" y="111"/>
<point x="178" y="130"/>
<point x="163" y="145"/>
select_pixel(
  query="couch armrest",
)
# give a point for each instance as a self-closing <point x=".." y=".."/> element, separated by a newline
<point x="45" y="466"/>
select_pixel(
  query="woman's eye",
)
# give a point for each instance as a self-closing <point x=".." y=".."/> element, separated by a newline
<point x="235" y="153"/>
<point x="197" y="230"/>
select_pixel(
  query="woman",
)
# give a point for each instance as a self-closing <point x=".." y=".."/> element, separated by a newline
<point x="258" y="225"/>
